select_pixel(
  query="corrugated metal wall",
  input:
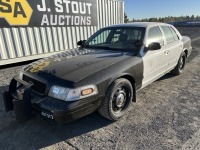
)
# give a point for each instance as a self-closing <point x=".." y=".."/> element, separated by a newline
<point x="19" y="44"/>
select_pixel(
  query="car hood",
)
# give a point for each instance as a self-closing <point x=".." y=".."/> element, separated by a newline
<point x="77" y="64"/>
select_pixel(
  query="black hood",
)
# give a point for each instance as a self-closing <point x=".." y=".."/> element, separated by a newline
<point x="77" y="64"/>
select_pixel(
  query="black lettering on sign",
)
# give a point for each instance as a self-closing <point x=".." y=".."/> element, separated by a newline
<point x="19" y="10"/>
<point x="6" y="7"/>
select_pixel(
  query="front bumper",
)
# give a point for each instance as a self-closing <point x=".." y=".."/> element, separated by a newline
<point x="27" y="104"/>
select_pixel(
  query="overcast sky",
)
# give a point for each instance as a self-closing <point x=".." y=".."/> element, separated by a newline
<point x="139" y="9"/>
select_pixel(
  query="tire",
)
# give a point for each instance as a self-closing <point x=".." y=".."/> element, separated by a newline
<point x="180" y="66"/>
<point x="117" y="100"/>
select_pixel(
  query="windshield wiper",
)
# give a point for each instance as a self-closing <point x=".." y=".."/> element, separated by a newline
<point x="99" y="47"/>
<point x="106" y="47"/>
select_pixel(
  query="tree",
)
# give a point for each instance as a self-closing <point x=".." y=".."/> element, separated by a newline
<point x="192" y="18"/>
<point x="187" y="18"/>
<point x="171" y="19"/>
<point x="197" y="18"/>
<point x="125" y="18"/>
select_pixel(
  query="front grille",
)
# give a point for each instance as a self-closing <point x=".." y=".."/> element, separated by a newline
<point x="38" y="87"/>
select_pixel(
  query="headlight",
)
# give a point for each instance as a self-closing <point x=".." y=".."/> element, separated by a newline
<point x="59" y="92"/>
<point x="67" y="94"/>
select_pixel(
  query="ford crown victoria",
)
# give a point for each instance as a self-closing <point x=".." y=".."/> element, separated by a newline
<point x="103" y="74"/>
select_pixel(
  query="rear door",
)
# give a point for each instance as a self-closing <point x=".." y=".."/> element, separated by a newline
<point x="155" y="61"/>
<point x="173" y="45"/>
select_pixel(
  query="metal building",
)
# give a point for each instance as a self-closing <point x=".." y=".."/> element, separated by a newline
<point x="22" y="43"/>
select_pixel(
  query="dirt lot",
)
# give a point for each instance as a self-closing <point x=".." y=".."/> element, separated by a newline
<point x="166" y="116"/>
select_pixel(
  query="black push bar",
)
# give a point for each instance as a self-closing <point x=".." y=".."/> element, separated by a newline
<point x="18" y="98"/>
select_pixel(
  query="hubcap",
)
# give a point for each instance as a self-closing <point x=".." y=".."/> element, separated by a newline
<point x="120" y="100"/>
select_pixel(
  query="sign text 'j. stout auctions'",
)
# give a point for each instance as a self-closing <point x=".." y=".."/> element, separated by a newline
<point x="36" y="13"/>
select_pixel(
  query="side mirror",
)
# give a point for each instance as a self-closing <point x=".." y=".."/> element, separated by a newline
<point x="138" y="43"/>
<point x="154" y="46"/>
<point x="81" y="42"/>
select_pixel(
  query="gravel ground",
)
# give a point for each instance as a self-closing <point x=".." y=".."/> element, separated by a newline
<point x="166" y="116"/>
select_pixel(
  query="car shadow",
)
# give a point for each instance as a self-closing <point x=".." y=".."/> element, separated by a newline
<point x="39" y="133"/>
<point x="166" y="76"/>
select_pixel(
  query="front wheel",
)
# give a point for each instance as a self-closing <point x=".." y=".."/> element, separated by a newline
<point x="117" y="99"/>
<point x="180" y="66"/>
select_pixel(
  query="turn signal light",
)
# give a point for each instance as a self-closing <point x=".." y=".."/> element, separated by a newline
<point x="87" y="91"/>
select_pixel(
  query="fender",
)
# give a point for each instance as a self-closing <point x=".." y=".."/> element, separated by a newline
<point x="128" y="77"/>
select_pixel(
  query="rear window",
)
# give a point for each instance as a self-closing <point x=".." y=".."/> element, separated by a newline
<point x="168" y="34"/>
<point x="176" y="37"/>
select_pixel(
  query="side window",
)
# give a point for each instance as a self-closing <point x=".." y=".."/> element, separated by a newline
<point x="155" y="35"/>
<point x="134" y="35"/>
<point x="176" y="37"/>
<point x="168" y="34"/>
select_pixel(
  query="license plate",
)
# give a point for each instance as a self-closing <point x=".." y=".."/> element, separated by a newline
<point x="47" y="115"/>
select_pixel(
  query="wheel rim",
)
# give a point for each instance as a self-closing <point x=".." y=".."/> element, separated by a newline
<point x="120" y="100"/>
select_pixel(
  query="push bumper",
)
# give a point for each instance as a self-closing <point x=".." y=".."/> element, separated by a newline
<point x="18" y="98"/>
<point x="21" y="99"/>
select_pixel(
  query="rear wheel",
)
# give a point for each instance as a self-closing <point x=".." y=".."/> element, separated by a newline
<point x="180" y="66"/>
<point x="117" y="99"/>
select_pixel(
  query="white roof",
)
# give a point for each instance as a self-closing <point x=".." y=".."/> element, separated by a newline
<point x="139" y="24"/>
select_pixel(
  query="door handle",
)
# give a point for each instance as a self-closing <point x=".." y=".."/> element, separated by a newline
<point x="166" y="52"/>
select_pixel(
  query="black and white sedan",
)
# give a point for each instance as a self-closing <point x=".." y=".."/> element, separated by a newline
<point x="103" y="74"/>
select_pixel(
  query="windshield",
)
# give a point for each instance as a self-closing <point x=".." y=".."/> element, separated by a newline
<point x="117" y="38"/>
